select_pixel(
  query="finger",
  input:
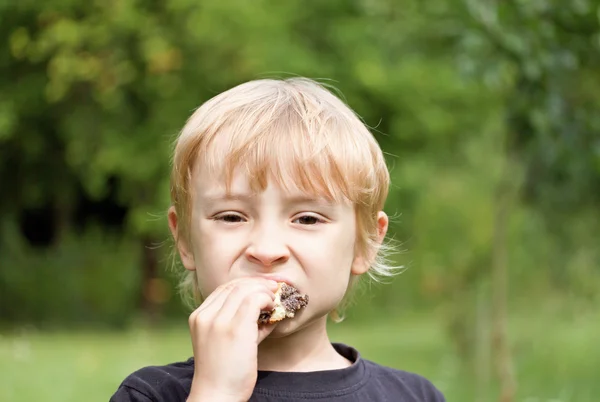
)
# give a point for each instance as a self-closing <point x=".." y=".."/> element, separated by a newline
<point x="213" y="305"/>
<point x="241" y="295"/>
<point x="247" y="314"/>
<point x="206" y="313"/>
<point x="216" y="297"/>
<point x="272" y="285"/>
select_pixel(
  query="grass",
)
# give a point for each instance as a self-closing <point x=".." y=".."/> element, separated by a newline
<point x="556" y="359"/>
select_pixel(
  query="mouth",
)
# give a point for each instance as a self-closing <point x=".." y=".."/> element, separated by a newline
<point x="277" y="278"/>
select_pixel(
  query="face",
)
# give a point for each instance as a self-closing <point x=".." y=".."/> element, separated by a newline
<point x="284" y="235"/>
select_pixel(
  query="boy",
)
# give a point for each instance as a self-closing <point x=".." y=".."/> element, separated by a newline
<point x="275" y="182"/>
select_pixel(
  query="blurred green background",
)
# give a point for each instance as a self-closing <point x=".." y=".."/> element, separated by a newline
<point x="489" y="114"/>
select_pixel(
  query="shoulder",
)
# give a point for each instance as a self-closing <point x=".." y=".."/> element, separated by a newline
<point x="168" y="383"/>
<point x="403" y="382"/>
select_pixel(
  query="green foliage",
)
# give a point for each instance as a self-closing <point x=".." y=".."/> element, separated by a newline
<point x="95" y="275"/>
<point x="93" y="92"/>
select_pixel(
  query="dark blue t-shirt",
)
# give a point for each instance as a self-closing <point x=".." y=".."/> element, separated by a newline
<point x="361" y="382"/>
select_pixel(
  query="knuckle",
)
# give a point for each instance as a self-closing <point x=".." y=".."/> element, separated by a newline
<point x="255" y="298"/>
<point x="226" y="287"/>
<point x="249" y="297"/>
<point x="202" y="321"/>
<point x="258" y="300"/>
<point x="192" y="319"/>
<point x="262" y="298"/>
<point x="233" y="290"/>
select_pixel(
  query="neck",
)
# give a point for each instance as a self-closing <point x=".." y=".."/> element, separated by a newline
<point x="308" y="349"/>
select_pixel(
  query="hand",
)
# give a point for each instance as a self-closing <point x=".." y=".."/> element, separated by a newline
<point x="225" y="339"/>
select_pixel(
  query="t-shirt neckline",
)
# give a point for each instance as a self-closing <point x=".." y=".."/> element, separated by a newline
<point x="326" y="382"/>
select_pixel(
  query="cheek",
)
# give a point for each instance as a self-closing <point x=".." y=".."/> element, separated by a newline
<point x="214" y="256"/>
<point x="328" y="267"/>
<point x="331" y="254"/>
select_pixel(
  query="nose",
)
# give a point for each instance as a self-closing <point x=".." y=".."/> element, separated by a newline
<point x="267" y="248"/>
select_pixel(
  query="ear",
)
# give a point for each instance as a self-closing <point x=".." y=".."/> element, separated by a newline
<point x="362" y="263"/>
<point x="185" y="252"/>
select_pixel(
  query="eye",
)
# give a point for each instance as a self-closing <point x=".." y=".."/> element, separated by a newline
<point x="308" y="220"/>
<point x="229" y="218"/>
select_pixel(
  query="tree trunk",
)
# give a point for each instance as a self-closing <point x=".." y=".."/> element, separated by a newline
<point x="500" y="342"/>
<point x="482" y="345"/>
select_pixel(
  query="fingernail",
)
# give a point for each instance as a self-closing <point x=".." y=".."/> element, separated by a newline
<point x="273" y="284"/>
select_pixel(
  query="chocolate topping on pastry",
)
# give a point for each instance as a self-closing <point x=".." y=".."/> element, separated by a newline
<point x="287" y="302"/>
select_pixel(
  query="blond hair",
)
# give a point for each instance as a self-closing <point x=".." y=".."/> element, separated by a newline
<point x="290" y="131"/>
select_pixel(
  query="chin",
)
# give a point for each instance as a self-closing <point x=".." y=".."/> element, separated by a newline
<point x="285" y="328"/>
<point x="292" y="325"/>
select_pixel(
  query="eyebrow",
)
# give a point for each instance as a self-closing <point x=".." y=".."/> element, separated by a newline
<point x="247" y="197"/>
<point x="305" y="199"/>
<point x="228" y="197"/>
